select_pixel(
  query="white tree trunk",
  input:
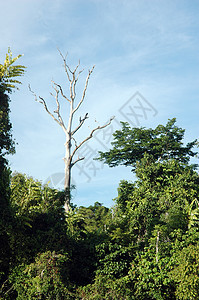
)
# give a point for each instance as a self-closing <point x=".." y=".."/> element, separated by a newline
<point x="67" y="185"/>
<point x="70" y="150"/>
<point x="67" y="180"/>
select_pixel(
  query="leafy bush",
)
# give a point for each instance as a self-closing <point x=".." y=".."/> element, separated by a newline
<point x="46" y="278"/>
<point x="185" y="272"/>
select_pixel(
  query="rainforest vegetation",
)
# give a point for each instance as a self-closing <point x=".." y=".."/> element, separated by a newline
<point x="144" y="247"/>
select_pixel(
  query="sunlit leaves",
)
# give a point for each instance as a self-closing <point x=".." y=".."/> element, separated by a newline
<point x="185" y="272"/>
<point x="193" y="213"/>
<point x="43" y="278"/>
<point x="9" y="72"/>
<point x="28" y="196"/>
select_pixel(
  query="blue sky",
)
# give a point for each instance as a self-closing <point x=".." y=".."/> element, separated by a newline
<point x="150" y="47"/>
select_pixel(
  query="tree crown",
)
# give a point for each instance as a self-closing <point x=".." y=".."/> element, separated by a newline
<point x="161" y="143"/>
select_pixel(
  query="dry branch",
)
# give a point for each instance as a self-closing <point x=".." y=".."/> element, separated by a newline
<point x="77" y="160"/>
<point x="81" y="122"/>
<point x="60" y="88"/>
<point x="90" y="136"/>
<point x="43" y="102"/>
<point x="84" y="91"/>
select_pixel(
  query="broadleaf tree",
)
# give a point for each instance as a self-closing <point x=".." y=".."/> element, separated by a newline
<point x="155" y="220"/>
<point x="163" y="142"/>
<point x="71" y="144"/>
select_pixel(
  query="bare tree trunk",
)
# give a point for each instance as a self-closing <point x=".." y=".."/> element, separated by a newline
<point x="70" y="148"/>
<point x="67" y="179"/>
<point x="67" y="191"/>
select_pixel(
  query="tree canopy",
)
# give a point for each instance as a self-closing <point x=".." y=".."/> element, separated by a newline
<point x="163" y="142"/>
<point x="145" y="247"/>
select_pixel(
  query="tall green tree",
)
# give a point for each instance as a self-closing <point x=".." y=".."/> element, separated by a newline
<point x="6" y="147"/>
<point x="8" y="74"/>
<point x="161" y="143"/>
<point x="154" y="219"/>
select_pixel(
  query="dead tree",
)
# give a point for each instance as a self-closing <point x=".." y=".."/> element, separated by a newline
<point x="71" y="145"/>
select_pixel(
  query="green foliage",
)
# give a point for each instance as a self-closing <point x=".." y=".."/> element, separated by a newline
<point x="83" y="261"/>
<point x="6" y="220"/>
<point x="9" y="72"/>
<point x="96" y="217"/>
<point x="153" y="218"/>
<point x="185" y="272"/>
<point x="75" y="220"/>
<point x="87" y="228"/>
<point x="124" y="193"/>
<point x="162" y="195"/>
<point x="106" y="288"/>
<point x="193" y="213"/>
<point x="145" y="247"/>
<point x="46" y="278"/>
<point x="114" y="259"/>
<point x="6" y="215"/>
<point x="40" y="219"/>
<point x="29" y="196"/>
<point x="6" y="142"/>
<point x="161" y="143"/>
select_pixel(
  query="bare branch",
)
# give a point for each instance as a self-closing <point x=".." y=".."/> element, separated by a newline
<point x="81" y="122"/>
<point x="77" y="160"/>
<point x="66" y="67"/>
<point x="58" y="106"/>
<point x="90" y="136"/>
<point x="60" y="88"/>
<point x="74" y="82"/>
<point x="76" y="67"/>
<point x="56" y="96"/>
<point x="78" y="75"/>
<point x="74" y="140"/>
<point x="43" y="102"/>
<point x="69" y="69"/>
<point x="46" y="108"/>
<point x="84" y="91"/>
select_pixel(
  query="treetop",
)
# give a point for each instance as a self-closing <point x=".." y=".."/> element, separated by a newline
<point x="162" y="143"/>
